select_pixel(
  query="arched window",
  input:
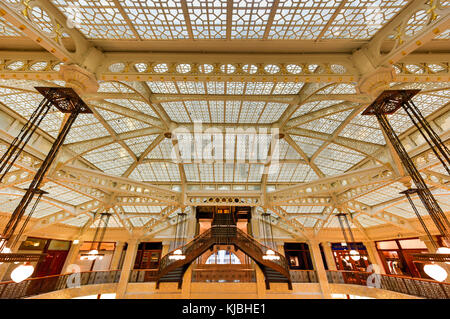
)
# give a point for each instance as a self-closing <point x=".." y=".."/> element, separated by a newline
<point x="223" y="257"/>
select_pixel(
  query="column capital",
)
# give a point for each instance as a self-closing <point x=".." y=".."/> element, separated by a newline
<point x="79" y="79"/>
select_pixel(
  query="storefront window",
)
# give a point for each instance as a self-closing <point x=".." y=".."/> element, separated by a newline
<point x="344" y="261"/>
<point x="397" y="257"/>
<point x="298" y="256"/>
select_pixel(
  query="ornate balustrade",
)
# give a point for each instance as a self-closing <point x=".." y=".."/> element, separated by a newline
<point x="424" y="288"/>
<point x="223" y="273"/>
<point x="143" y="275"/>
<point x="303" y="276"/>
<point x="42" y="285"/>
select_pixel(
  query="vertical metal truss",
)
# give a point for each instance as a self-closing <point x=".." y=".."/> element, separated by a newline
<point x="21" y="140"/>
<point x="428" y="133"/>
<point x="387" y="103"/>
<point x="67" y="101"/>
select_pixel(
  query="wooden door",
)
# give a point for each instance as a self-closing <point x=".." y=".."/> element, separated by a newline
<point x="52" y="264"/>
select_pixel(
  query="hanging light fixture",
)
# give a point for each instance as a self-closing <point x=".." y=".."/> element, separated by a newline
<point x="93" y="253"/>
<point x="177" y="254"/>
<point x="270" y="255"/>
<point x="268" y="237"/>
<point x="354" y="254"/>
<point x="435" y="271"/>
<point x="22" y="272"/>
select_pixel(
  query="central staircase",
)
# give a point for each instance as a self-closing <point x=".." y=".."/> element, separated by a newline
<point x="224" y="231"/>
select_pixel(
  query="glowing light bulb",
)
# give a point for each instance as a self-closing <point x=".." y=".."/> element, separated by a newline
<point x="94" y="253"/>
<point x="22" y="272"/>
<point x="436" y="272"/>
<point x="354" y="255"/>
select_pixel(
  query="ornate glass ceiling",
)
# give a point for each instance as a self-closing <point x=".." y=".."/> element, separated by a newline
<point x="123" y="149"/>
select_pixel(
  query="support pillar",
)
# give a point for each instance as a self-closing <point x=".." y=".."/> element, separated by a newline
<point x="329" y="257"/>
<point x="186" y="285"/>
<point x="320" y="269"/>
<point x="128" y="264"/>
<point x="374" y="257"/>
<point x="117" y="254"/>
<point x="72" y="256"/>
<point x="260" y="283"/>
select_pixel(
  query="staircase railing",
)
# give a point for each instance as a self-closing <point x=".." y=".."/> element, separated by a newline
<point x="262" y="249"/>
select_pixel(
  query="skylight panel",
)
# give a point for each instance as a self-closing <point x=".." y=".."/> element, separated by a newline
<point x="232" y="111"/>
<point x="111" y="159"/>
<point x="208" y="18"/>
<point x="160" y="171"/>
<point x="191" y="171"/>
<point x="255" y="173"/>
<point x="134" y="105"/>
<point x="341" y="154"/>
<point x="158" y="19"/>
<point x="361" y="19"/>
<point x="308" y="145"/>
<point x="258" y="88"/>
<point x="8" y="30"/>
<point x="249" y="18"/>
<point x="85" y="125"/>
<point x="114" y="87"/>
<point x="121" y="124"/>
<point x="228" y="172"/>
<point x="163" y="87"/>
<point x="206" y="172"/>
<point x="97" y="19"/>
<point x="218" y="172"/>
<point x="143" y="172"/>
<point x="139" y="144"/>
<point x="297" y="19"/>
<point x="235" y="87"/>
<point x="198" y="110"/>
<point x="139" y="221"/>
<point x="78" y="221"/>
<point x="286" y="172"/>
<point x="241" y="172"/>
<point x="166" y="148"/>
<point x="215" y="87"/>
<point x="191" y="87"/>
<point x="251" y="111"/>
<point x="362" y="133"/>
<point x="287" y="88"/>
<point x="217" y="109"/>
<point x="176" y="111"/>
<point x="272" y="112"/>
<point x="173" y="171"/>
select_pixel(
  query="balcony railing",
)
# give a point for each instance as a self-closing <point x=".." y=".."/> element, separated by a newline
<point x="223" y="273"/>
<point x="143" y="275"/>
<point x="303" y="276"/>
<point x="424" y="288"/>
<point x="36" y="286"/>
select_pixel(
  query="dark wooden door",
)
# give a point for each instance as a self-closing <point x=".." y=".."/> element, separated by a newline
<point x="52" y="264"/>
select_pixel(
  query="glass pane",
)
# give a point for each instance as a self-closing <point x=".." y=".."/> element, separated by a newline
<point x="387" y="245"/>
<point x="412" y="244"/>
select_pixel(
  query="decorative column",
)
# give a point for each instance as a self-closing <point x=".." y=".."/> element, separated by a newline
<point x="320" y="269"/>
<point x="260" y="283"/>
<point x="165" y="248"/>
<point x="72" y="256"/>
<point x="374" y="257"/>
<point x="128" y="264"/>
<point x="117" y="254"/>
<point x="329" y="257"/>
